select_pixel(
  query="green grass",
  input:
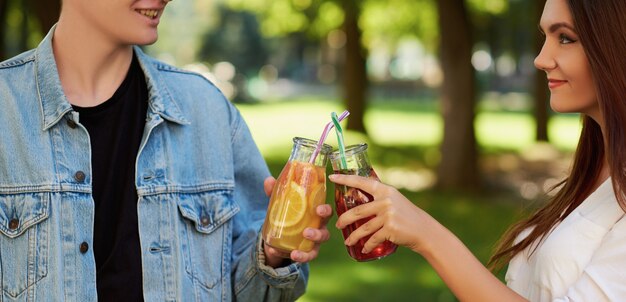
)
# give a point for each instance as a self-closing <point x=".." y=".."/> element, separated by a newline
<point x="402" y="135"/>
<point x="396" y="123"/>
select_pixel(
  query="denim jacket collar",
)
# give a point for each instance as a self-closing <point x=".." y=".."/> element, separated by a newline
<point x="160" y="100"/>
<point x="54" y="104"/>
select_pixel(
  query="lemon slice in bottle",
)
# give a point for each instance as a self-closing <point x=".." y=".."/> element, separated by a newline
<point x="294" y="203"/>
<point x="318" y="197"/>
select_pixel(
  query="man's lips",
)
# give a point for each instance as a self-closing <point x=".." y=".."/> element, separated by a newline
<point x="553" y="83"/>
<point x="150" y="13"/>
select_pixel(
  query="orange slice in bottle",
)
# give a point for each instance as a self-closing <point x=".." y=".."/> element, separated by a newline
<point x="294" y="203"/>
<point x="318" y="196"/>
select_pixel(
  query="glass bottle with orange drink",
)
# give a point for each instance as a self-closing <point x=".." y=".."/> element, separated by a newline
<point x="299" y="189"/>
<point x="357" y="163"/>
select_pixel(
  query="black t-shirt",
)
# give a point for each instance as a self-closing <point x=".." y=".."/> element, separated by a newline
<point x="115" y="128"/>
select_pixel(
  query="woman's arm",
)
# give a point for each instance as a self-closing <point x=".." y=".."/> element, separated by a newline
<point x="401" y="222"/>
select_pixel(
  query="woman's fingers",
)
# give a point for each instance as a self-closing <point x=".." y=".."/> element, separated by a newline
<point x="365" y="229"/>
<point x="376" y="239"/>
<point x="356" y="213"/>
<point x="371" y="186"/>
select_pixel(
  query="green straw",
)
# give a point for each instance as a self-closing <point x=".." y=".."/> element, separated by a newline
<point x="339" y="132"/>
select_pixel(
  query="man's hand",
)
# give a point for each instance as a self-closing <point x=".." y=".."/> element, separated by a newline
<point x="273" y="257"/>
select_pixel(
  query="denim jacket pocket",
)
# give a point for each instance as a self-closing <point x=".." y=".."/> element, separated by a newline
<point x="23" y="241"/>
<point x="206" y="233"/>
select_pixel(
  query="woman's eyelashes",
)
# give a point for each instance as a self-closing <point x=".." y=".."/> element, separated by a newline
<point x="565" y="39"/>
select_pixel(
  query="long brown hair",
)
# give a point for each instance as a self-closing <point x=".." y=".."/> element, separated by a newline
<point x="601" y="28"/>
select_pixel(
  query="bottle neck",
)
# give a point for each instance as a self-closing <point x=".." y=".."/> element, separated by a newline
<point x="356" y="160"/>
<point x="303" y="149"/>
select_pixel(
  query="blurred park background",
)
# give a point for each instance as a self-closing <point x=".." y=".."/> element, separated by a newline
<point x="444" y="92"/>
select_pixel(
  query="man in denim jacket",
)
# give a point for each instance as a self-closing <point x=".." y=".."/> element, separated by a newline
<point x="122" y="178"/>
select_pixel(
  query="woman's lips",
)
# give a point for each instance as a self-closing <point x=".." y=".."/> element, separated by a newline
<point x="552" y="83"/>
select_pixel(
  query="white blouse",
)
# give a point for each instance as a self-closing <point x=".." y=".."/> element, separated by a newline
<point x="582" y="259"/>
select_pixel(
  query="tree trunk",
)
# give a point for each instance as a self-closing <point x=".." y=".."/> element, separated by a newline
<point x="355" y="74"/>
<point x="47" y="12"/>
<point x="540" y="92"/>
<point x="458" y="168"/>
<point x="3" y="26"/>
<point x="24" y="30"/>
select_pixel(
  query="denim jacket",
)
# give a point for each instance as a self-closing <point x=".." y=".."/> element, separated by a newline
<point x="199" y="179"/>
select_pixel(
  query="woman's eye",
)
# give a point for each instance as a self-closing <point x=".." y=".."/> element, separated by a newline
<point x="564" y="39"/>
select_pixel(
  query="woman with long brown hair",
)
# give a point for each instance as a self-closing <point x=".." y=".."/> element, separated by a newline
<point x="574" y="248"/>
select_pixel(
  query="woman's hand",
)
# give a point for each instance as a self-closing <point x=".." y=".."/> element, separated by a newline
<point x="396" y="219"/>
<point x="275" y="258"/>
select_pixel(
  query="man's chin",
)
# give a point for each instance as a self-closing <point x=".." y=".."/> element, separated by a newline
<point x="146" y="43"/>
<point x="146" y="40"/>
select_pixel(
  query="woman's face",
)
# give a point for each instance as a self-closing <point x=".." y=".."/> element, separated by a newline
<point x="126" y="22"/>
<point x="563" y="59"/>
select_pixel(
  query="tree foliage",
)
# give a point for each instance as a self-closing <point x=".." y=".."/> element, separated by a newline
<point x="238" y="42"/>
<point x="24" y="22"/>
<point x="388" y="21"/>
<point x="494" y="7"/>
<point x="283" y="17"/>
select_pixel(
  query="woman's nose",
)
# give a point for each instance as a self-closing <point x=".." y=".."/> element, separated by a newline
<point x="544" y="60"/>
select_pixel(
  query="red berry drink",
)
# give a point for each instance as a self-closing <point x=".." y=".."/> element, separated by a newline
<point x="348" y="197"/>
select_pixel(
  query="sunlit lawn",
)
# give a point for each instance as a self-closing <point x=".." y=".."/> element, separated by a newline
<point x="396" y="123"/>
<point x="403" y="135"/>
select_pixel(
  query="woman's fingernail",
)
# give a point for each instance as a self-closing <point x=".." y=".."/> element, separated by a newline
<point x="308" y="233"/>
<point x="332" y="176"/>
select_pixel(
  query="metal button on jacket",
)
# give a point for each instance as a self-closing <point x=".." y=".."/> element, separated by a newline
<point x="204" y="220"/>
<point x="79" y="176"/>
<point x="14" y="223"/>
<point x="71" y="123"/>
<point x="84" y="247"/>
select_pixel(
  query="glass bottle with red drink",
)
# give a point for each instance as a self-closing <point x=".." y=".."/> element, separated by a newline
<point x="357" y="163"/>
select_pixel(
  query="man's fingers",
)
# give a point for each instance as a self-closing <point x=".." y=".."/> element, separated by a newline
<point x="325" y="211"/>
<point x="316" y="235"/>
<point x="274" y="258"/>
<point x="268" y="185"/>
<point x="302" y="257"/>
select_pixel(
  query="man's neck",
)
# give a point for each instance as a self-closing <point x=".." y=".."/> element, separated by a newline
<point x="91" y="66"/>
